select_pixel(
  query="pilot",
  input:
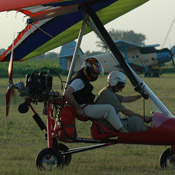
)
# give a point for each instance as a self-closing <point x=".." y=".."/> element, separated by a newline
<point x="116" y="82"/>
<point x="79" y="95"/>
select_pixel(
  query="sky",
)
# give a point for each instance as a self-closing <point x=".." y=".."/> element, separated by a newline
<point x="153" y="19"/>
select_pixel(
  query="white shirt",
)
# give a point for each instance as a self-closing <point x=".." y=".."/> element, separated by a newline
<point x="77" y="84"/>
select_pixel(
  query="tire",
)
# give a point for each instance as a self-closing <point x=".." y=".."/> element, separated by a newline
<point x="62" y="148"/>
<point x="66" y="158"/>
<point x="49" y="159"/>
<point x="167" y="159"/>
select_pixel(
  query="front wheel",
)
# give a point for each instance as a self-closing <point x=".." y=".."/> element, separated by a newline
<point x="62" y="149"/>
<point x="167" y="159"/>
<point x="66" y="158"/>
<point x="49" y="159"/>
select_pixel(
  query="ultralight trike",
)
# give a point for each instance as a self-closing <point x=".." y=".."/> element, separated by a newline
<point x="61" y="117"/>
<point x="61" y="126"/>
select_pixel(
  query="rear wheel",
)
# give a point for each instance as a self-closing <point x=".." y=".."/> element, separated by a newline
<point x="167" y="159"/>
<point x="49" y="159"/>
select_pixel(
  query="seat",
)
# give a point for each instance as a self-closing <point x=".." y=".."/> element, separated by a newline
<point x="99" y="130"/>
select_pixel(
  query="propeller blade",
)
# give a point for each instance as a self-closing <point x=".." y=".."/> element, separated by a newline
<point x="10" y="68"/>
<point x="172" y="51"/>
<point x="173" y="62"/>
<point x="10" y="85"/>
<point x="8" y="96"/>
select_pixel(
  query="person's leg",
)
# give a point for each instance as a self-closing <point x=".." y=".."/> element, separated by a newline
<point x="104" y="111"/>
<point x="136" y="124"/>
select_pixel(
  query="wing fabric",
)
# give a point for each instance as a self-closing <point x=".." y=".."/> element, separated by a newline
<point x="7" y="5"/>
<point x="56" y="24"/>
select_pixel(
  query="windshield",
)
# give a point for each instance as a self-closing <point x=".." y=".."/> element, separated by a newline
<point x="158" y="116"/>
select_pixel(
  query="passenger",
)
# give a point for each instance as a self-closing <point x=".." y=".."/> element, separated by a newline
<point x="79" y="95"/>
<point x="116" y="82"/>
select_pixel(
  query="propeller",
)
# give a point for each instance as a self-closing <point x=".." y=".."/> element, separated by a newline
<point x="10" y="84"/>
<point x="172" y="49"/>
<point x="172" y="55"/>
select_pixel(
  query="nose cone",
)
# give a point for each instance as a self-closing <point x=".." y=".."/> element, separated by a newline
<point x="164" y="56"/>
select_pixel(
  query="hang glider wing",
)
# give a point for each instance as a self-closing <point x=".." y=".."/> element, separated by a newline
<point x="55" y="23"/>
<point x="8" y="5"/>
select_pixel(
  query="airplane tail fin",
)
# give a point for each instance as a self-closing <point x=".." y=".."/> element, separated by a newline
<point x="66" y="54"/>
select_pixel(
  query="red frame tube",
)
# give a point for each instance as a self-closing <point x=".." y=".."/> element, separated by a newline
<point x="49" y="126"/>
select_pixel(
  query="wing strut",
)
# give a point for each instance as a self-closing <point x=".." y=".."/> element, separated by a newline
<point x="81" y="33"/>
<point x="114" y="49"/>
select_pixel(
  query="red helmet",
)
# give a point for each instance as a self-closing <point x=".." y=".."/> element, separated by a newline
<point x="92" y="65"/>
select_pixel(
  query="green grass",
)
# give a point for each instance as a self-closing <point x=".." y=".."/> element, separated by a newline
<point x="22" y="139"/>
<point x="22" y="68"/>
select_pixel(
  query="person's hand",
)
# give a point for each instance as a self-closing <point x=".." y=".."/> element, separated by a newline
<point x="147" y="119"/>
<point x="146" y="95"/>
<point x="80" y="112"/>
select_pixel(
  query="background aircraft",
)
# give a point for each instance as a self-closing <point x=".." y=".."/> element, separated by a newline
<point x="145" y="58"/>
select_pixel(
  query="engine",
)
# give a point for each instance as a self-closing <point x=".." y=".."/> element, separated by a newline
<point x="39" y="84"/>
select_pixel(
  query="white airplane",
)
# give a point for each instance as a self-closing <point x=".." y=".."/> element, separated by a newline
<point x="146" y="58"/>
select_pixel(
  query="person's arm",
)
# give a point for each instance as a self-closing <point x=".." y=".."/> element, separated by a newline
<point x="71" y="100"/>
<point x="131" y="98"/>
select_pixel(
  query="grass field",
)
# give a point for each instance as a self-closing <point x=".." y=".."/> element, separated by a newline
<point x="22" y="139"/>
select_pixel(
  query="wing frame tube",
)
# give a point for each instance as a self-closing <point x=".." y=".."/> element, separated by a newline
<point x="114" y="49"/>
<point x="153" y="97"/>
<point x="74" y="58"/>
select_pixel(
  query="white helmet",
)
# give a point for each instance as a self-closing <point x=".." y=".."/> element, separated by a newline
<point x="114" y="77"/>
